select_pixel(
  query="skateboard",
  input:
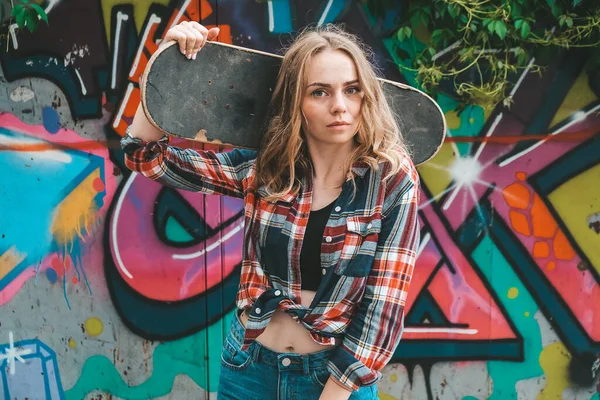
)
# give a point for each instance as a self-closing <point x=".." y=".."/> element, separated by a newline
<point x="223" y="97"/>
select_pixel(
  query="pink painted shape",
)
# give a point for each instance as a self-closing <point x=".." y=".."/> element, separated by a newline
<point x="11" y="290"/>
<point x="155" y="273"/>
<point x="569" y="280"/>
<point x="462" y="296"/>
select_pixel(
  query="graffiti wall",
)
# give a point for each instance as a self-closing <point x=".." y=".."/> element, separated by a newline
<point x="112" y="286"/>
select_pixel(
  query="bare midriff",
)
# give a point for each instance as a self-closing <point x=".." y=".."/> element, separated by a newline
<point x="286" y="335"/>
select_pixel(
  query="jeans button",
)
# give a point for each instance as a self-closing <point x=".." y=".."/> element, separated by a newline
<point x="286" y="362"/>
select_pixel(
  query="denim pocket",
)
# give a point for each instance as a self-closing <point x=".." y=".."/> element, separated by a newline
<point x="233" y="357"/>
<point x="320" y="377"/>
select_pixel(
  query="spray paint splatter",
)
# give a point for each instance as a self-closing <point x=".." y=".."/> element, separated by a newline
<point x="51" y="275"/>
<point x="94" y="326"/>
<point x="51" y="120"/>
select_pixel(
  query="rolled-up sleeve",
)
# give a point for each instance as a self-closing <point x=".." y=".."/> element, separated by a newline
<point x="376" y="327"/>
<point x="222" y="173"/>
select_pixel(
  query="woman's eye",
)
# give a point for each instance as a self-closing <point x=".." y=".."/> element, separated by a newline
<point x="353" y="90"/>
<point x="318" y="93"/>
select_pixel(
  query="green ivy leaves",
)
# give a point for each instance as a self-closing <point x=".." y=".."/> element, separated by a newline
<point x="479" y="46"/>
<point x="522" y="25"/>
<point x="27" y="14"/>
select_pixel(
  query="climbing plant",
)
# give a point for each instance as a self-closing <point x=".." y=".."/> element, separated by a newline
<point x="480" y="47"/>
<point x="25" y="13"/>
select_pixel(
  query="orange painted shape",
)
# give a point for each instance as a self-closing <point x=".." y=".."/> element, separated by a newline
<point x="544" y="225"/>
<point x="224" y="33"/>
<point x="551" y="265"/>
<point x="541" y="250"/>
<point x="519" y="222"/>
<point x="517" y="196"/>
<point x="205" y="8"/>
<point x="562" y="248"/>
<point x="521" y="176"/>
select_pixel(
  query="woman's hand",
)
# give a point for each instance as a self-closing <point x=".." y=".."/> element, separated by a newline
<point x="191" y="37"/>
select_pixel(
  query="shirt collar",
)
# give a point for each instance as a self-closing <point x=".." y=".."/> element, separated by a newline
<point x="359" y="169"/>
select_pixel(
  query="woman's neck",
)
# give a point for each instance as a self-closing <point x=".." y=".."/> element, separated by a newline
<point x="328" y="163"/>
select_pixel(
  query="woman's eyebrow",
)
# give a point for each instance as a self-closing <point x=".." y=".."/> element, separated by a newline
<point x="328" y="85"/>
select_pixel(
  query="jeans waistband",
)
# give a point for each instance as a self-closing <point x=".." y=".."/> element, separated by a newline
<point x="281" y="361"/>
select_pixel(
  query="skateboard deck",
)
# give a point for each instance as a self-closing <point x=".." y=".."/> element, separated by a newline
<point x="223" y="97"/>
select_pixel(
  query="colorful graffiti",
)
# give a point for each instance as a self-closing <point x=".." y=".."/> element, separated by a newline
<point x="128" y="286"/>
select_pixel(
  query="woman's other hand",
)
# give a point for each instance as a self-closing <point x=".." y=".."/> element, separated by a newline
<point x="190" y="36"/>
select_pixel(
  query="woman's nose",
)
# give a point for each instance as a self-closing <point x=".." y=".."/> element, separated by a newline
<point x="339" y="104"/>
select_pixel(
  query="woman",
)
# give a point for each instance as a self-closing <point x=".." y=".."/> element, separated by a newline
<point x="330" y="223"/>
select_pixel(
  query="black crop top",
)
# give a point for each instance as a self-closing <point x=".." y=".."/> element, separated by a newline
<point x="310" y="255"/>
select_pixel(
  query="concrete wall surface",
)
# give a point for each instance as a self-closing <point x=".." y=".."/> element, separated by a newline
<point x="505" y="301"/>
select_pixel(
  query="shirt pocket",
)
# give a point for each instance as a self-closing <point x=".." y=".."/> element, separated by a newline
<point x="360" y="243"/>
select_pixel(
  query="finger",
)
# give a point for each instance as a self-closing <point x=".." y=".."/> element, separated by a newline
<point x="197" y="43"/>
<point x="202" y="30"/>
<point x="191" y="41"/>
<point x="199" y="27"/>
<point x="178" y="36"/>
<point x="213" y="33"/>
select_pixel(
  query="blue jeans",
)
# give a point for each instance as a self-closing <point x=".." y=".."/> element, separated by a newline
<point x="263" y="374"/>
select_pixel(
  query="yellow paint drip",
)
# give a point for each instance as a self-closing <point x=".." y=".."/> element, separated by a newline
<point x="394" y="378"/>
<point x="93" y="326"/>
<point x="76" y="214"/>
<point x="383" y="396"/>
<point x="513" y="292"/>
<point x="9" y="260"/>
<point x="554" y="360"/>
<point x="72" y="343"/>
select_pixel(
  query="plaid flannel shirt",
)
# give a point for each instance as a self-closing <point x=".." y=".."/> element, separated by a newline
<point x="368" y="250"/>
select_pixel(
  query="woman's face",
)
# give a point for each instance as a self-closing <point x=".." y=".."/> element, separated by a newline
<point x="331" y="100"/>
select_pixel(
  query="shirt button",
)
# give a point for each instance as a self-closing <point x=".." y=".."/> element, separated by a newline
<point x="338" y="209"/>
<point x="328" y="239"/>
<point x="257" y="311"/>
<point x="286" y="362"/>
<point x="369" y="225"/>
<point x="324" y="271"/>
<point x="278" y="293"/>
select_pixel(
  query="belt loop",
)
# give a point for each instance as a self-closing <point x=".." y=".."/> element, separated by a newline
<point x="306" y="364"/>
<point x="254" y="351"/>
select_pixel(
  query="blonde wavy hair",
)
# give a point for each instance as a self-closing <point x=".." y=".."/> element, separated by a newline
<point x="284" y="157"/>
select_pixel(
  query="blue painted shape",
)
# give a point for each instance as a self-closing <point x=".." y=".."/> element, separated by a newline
<point x="38" y="378"/>
<point x="51" y="119"/>
<point x="280" y="16"/>
<point x="51" y="275"/>
<point x="33" y="185"/>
